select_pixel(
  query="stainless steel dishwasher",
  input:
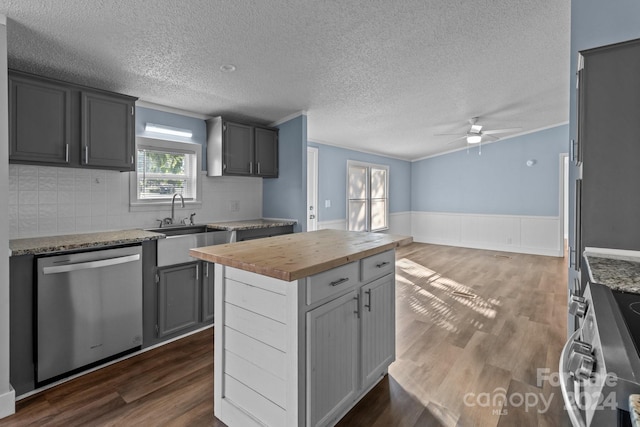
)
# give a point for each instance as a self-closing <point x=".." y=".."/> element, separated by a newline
<point x="89" y="308"/>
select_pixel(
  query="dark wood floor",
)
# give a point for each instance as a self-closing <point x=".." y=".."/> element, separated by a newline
<point x="473" y="329"/>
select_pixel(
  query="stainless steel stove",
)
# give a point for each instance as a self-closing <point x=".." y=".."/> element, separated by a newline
<point x="600" y="363"/>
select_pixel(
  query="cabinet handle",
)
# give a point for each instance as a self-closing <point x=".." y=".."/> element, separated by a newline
<point x="66" y="153"/>
<point x="258" y="163"/>
<point x="368" y="305"/>
<point x="251" y="167"/>
<point x="339" y="281"/>
<point x="572" y="258"/>
<point x="197" y="272"/>
<point x="132" y="159"/>
<point x="206" y="269"/>
<point x="382" y="264"/>
<point x="357" y="312"/>
<point x="86" y="154"/>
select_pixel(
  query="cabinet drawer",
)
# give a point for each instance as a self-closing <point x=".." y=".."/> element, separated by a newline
<point x="331" y="282"/>
<point x="377" y="265"/>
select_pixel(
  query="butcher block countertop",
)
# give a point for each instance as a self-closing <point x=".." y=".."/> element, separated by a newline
<point x="70" y="242"/>
<point x="295" y="256"/>
<point x="249" y="224"/>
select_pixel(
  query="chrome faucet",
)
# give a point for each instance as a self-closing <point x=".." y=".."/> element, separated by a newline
<point x="173" y="203"/>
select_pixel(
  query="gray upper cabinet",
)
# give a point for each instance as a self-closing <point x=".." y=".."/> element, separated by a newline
<point x="241" y="149"/>
<point x="57" y="123"/>
<point x="107" y="130"/>
<point x="266" y="152"/>
<point x="237" y="149"/>
<point x="40" y="121"/>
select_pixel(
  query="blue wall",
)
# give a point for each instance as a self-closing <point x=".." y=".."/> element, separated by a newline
<point x="197" y="126"/>
<point x="332" y="180"/>
<point x="286" y="196"/>
<point x="496" y="182"/>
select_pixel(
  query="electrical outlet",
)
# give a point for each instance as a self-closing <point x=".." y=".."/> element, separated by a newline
<point x="327" y="203"/>
<point x="234" y="206"/>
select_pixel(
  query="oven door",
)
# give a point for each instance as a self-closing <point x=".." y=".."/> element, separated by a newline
<point x="569" y="386"/>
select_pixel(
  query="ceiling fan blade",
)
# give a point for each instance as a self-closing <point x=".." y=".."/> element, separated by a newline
<point x="446" y="134"/>
<point x="457" y="139"/>
<point x="494" y="131"/>
<point x="494" y="138"/>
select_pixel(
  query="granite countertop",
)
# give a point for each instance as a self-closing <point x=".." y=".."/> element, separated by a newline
<point x="618" y="270"/>
<point x="52" y="244"/>
<point x="294" y="256"/>
<point x="249" y="224"/>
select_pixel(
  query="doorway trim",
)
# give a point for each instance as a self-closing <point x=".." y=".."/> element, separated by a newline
<point x="312" y="188"/>
<point x="562" y="206"/>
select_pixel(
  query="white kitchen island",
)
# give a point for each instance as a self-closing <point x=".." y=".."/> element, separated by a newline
<point x="304" y="325"/>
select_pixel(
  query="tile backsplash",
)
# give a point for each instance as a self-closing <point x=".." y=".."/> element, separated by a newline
<point x="45" y="201"/>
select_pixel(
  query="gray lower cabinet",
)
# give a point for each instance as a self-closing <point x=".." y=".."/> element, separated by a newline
<point x="178" y="298"/>
<point x="183" y="300"/>
<point x="21" y="323"/>
<point x="62" y="124"/>
<point x="377" y="337"/>
<point x="351" y="343"/>
<point x="332" y="334"/>
<point x="207" y="291"/>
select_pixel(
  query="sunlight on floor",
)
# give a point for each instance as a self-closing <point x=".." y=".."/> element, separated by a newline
<point x="440" y="298"/>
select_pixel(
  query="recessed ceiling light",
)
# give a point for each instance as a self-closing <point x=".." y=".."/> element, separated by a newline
<point x="227" y="68"/>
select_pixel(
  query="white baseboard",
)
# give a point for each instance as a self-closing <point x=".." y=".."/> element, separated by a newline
<point x="8" y="403"/>
<point x="509" y="233"/>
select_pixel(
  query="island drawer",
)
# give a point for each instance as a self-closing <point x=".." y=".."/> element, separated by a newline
<point x="332" y="282"/>
<point x="377" y="265"/>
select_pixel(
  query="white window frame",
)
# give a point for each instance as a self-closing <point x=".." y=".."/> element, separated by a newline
<point x="136" y="204"/>
<point x="369" y="166"/>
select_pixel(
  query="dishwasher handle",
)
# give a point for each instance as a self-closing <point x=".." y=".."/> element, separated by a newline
<point x="90" y="264"/>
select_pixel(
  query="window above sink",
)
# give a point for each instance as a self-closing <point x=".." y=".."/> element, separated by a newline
<point x="165" y="168"/>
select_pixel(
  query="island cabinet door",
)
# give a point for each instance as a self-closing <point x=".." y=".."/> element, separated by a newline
<point x="378" y="328"/>
<point x="332" y="358"/>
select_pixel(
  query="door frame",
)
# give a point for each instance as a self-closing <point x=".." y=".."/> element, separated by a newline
<point x="312" y="188"/>
<point x="563" y="187"/>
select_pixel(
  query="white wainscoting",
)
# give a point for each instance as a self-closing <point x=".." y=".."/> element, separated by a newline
<point x="539" y="235"/>
<point x="399" y="223"/>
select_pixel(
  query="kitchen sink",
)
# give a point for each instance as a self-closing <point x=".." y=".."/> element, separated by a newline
<point x="174" y="249"/>
<point x="178" y="230"/>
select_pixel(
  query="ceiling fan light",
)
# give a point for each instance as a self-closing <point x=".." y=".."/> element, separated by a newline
<point x="474" y="139"/>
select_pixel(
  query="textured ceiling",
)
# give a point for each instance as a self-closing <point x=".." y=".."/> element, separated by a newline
<point x="377" y="76"/>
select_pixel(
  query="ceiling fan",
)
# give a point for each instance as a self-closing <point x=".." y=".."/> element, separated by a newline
<point x="476" y="135"/>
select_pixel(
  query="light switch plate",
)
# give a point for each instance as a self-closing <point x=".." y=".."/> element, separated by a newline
<point x="327" y="203"/>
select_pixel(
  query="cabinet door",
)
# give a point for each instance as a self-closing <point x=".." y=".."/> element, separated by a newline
<point x="39" y="121"/>
<point x="378" y="328"/>
<point x="237" y="149"/>
<point x="207" y="291"/>
<point x="332" y="358"/>
<point x="266" y="149"/>
<point x="178" y="298"/>
<point x="107" y="131"/>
